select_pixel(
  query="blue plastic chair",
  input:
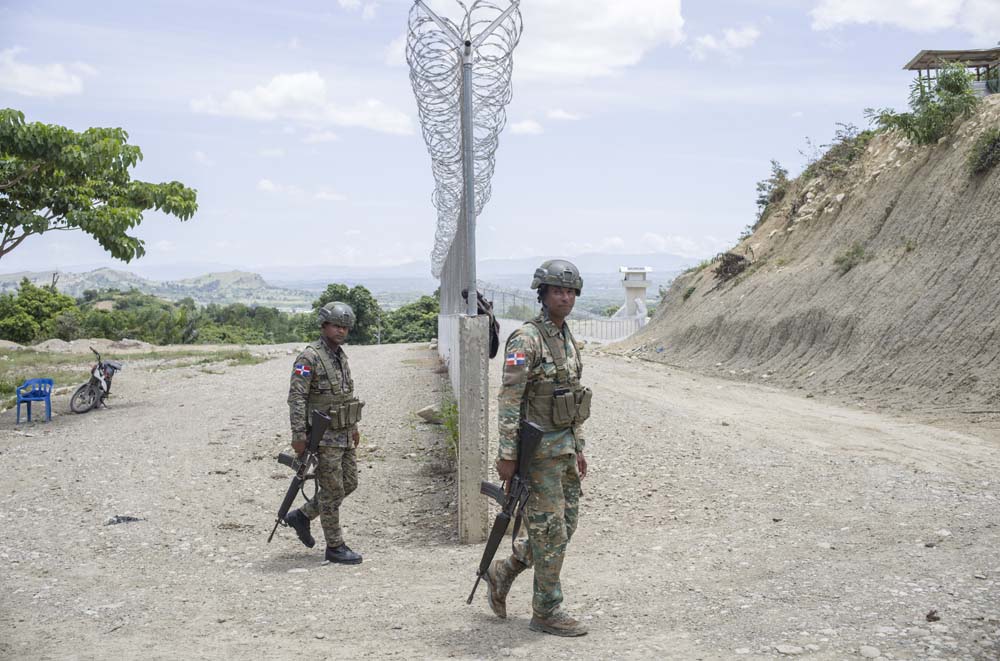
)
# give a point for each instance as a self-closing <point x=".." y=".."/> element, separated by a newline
<point x="35" y="390"/>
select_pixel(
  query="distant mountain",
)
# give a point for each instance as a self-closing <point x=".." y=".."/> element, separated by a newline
<point x="222" y="288"/>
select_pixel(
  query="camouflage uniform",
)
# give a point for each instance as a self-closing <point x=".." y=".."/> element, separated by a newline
<point x="553" y="505"/>
<point x="322" y="372"/>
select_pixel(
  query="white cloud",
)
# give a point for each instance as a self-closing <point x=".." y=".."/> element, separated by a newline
<point x="303" y="97"/>
<point x="202" y="157"/>
<point x="368" y="9"/>
<point x="275" y="152"/>
<point x="562" y="115"/>
<point x="329" y="196"/>
<point x="980" y="18"/>
<point x="45" y="80"/>
<point x="320" y="136"/>
<point x="298" y="194"/>
<point x="526" y="127"/>
<point x="608" y="244"/>
<point x="732" y="39"/>
<point x="682" y="245"/>
<point x="585" y="38"/>
<point x="272" y="188"/>
<point x="395" y="53"/>
<point x="580" y="39"/>
<point x="293" y="43"/>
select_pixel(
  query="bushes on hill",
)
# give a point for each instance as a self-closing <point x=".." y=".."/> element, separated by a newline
<point x="985" y="152"/>
<point x="934" y="106"/>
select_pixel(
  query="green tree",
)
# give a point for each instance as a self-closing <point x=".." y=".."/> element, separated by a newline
<point x="934" y="105"/>
<point x="365" y="307"/>
<point x="413" y="322"/>
<point x="53" y="178"/>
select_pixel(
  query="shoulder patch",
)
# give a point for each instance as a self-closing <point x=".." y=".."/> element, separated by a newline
<point x="302" y="369"/>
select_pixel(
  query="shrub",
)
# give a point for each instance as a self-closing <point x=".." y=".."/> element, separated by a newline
<point x="935" y="105"/>
<point x="985" y="152"/>
<point x="851" y="258"/>
<point x="849" y="142"/>
<point x="688" y="292"/>
<point x="771" y="190"/>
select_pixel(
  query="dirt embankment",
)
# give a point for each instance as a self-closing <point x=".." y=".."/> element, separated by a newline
<point x="912" y="324"/>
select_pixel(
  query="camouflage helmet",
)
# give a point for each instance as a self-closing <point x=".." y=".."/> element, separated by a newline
<point x="558" y="272"/>
<point x="336" y="313"/>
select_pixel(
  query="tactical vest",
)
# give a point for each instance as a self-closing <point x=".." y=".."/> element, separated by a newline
<point x="326" y="394"/>
<point x="559" y="404"/>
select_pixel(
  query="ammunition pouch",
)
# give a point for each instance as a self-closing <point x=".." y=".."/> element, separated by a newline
<point x="553" y="407"/>
<point x="345" y="414"/>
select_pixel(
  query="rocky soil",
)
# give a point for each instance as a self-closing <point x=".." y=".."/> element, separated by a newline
<point x="721" y="520"/>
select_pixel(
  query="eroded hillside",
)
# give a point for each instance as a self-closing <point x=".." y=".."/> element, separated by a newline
<point x="880" y="279"/>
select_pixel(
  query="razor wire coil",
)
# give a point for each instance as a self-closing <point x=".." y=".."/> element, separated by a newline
<point x="435" y="61"/>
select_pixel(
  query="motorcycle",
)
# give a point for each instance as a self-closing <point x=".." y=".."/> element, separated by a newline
<point x="93" y="393"/>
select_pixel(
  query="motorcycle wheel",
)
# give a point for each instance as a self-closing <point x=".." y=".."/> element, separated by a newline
<point x="84" y="399"/>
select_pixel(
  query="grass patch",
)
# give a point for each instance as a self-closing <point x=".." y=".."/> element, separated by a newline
<point x="985" y="152"/>
<point x="850" y="258"/>
<point x="449" y="415"/>
<point x="688" y="292"/>
<point x="18" y="366"/>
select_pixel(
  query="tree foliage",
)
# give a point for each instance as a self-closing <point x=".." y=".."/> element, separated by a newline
<point x="934" y="105"/>
<point x="413" y="322"/>
<point x="53" y="178"/>
<point x="35" y="313"/>
<point x="366" y="310"/>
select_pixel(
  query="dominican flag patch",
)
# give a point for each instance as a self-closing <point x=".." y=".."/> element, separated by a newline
<point x="515" y="358"/>
<point x="303" y="370"/>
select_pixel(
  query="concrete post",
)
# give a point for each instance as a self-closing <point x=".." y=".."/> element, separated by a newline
<point x="473" y="441"/>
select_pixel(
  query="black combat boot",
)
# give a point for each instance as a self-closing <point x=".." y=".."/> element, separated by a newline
<point x="300" y="523"/>
<point x="342" y="555"/>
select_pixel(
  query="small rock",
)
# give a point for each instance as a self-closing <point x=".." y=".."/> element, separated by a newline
<point x="430" y="414"/>
<point x="321" y="636"/>
<point x="790" y="650"/>
<point x="944" y="532"/>
<point x="869" y="652"/>
<point x="298" y="570"/>
<point x="981" y="577"/>
<point x="742" y="650"/>
<point x="220" y="620"/>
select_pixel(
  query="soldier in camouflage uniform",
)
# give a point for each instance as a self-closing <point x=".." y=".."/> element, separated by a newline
<point x="541" y="382"/>
<point x="321" y="380"/>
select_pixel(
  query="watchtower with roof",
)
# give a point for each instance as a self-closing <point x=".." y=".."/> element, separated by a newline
<point x="984" y="62"/>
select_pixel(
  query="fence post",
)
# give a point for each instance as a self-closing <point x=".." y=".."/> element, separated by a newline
<point x="473" y="441"/>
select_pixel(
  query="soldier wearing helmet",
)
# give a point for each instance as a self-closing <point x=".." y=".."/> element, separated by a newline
<point x="541" y="382"/>
<point x="321" y="379"/>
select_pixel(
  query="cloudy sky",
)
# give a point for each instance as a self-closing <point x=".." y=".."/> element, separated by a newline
<point x="636" y="125"/>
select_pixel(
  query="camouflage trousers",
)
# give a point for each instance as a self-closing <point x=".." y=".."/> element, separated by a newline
<point x="336" y="478"/>
<point x="550" y="518"/>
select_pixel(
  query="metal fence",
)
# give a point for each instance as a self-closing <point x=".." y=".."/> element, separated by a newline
<point x="512" y="305"/>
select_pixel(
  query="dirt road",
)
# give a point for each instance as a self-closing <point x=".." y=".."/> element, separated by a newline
<point x="720" y="520"/>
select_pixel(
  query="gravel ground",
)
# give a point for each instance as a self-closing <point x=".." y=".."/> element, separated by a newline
<point x="721" y="520"/>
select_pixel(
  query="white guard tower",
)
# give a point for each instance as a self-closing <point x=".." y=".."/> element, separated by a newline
<point x="634" y="281"/>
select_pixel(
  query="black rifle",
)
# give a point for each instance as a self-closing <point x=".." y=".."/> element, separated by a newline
<point x="304" y="467"/>
<point x="512" y="501"/>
